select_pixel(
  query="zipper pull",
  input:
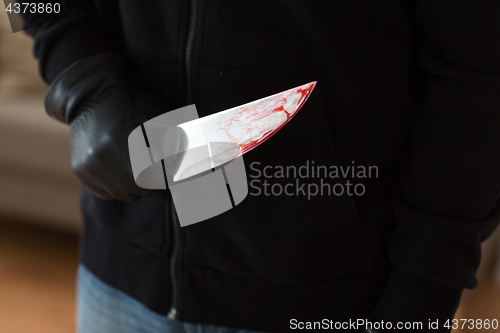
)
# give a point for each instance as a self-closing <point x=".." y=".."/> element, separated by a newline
<point x="172" y="313"/>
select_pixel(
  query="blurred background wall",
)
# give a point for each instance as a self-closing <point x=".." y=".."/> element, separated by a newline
<point x="39" y="216"/>
<point x="35" y="174"/>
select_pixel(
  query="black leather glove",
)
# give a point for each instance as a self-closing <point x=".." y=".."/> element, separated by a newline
<point x="102" y="105"/>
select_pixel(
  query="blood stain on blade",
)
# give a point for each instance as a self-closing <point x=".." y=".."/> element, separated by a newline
<point x="256" y="122"/>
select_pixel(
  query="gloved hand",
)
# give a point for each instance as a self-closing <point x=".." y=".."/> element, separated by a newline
<point x="102" y="105"/>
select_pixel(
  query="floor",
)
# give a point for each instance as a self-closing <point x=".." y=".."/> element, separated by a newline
<point x="482" y="303"/>
<point x="37" y="279"/>
<point x="37" y="282"/>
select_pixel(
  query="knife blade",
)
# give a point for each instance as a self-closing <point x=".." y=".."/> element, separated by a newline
<point x="212" y="141"/>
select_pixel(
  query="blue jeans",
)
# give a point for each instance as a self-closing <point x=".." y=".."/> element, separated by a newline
<point x="102" y="308"/>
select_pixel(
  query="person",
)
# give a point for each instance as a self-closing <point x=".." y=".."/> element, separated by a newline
<point x="409" y="89"/>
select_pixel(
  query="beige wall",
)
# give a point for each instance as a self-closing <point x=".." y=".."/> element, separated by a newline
<point x="36" y="180"/>
<point x="18" y="71"/>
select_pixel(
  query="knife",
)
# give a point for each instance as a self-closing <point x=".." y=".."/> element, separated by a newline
<point x="199" y="146"/>
<point x="214" y="140"/>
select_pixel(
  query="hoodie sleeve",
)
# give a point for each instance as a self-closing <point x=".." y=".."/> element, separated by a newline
<point x="67" y="38"/>
<point x="447" y="200"/>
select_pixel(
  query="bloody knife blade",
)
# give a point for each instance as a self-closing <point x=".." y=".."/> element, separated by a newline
<point x="216" y="139"/>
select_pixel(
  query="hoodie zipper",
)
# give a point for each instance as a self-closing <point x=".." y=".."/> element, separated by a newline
<point x="189" y="48"/>
<point x="172" y="314"/>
